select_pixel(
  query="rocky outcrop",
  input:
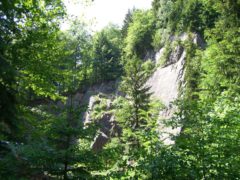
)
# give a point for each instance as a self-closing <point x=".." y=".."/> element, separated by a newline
<point x="105" y="120"/>
<point x="108" y="129"/>
<point x="165" y="83"/>
<point x="107" y="126"/>
<point x="167" y="80"/>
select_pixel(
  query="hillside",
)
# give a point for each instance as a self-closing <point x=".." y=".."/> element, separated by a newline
<point x="158" y="98"/>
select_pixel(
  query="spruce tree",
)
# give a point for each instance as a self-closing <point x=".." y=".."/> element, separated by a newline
<point x="136" y="114"/>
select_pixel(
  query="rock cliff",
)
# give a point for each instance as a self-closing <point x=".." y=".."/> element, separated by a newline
<point x="164" y="82"/>
<point x="168" y="78"/>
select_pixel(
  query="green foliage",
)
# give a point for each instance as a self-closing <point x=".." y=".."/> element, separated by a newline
<point x="127" y="21"/>
<point x="133" y="85"/>
<point x="210" y="132"/>
<point x="196" y="16"/>
<point x="99" y="108"/>
<point x="181" y="16"/>
<point x="209" y="111"/>
<point x="75" y="65"/>
<point x="106" y="54"/>
<point x="40" y="138"/>
<point x="162" y="12"/>
<point x="57" y="146"/>
<point x="136" y="115"/>
<point x="28" y="49"/>
<point x="223" y="55"/>
<point x="49" y="143"/>
<point x="7" y="99"/>
<point x="166" y="53"/>
<point x="35" y="49"/>
<point x="139" y="36"/>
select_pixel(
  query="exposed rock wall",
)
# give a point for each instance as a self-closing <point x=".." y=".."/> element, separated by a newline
<point x="164" y="83"/>
<point x="167" y="80"/>
<point x="107" y="126"/>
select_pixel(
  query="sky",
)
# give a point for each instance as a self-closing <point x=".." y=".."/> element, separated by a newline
<point x="102" y="12"/>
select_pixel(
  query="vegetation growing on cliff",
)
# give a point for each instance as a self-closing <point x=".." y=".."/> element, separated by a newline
<point x="42" y="133"/>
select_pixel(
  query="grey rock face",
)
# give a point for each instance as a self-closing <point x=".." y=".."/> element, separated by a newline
<point x="166" y="81"/>
<point x="99" y="141"/>
<point x="175" y="55"/>
<point x="108" y="129"/>
<point x="158" y="55"/>
<point x="164" y="85"/>
<point x="106" y="123"/>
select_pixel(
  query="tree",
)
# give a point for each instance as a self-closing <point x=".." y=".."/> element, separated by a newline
<point x="206" y="147"/>
<point x="133" y="85"/>
<point x="77" y="59"/>
<point x="127" y="21"/>
<point x="56" y="142"/>
<point x="180" y="16"/>
<point x="139" y="36"/>
<point x="136" y="116"/>
<point x="106" y="54"/>
<point x="28" y="49"/>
